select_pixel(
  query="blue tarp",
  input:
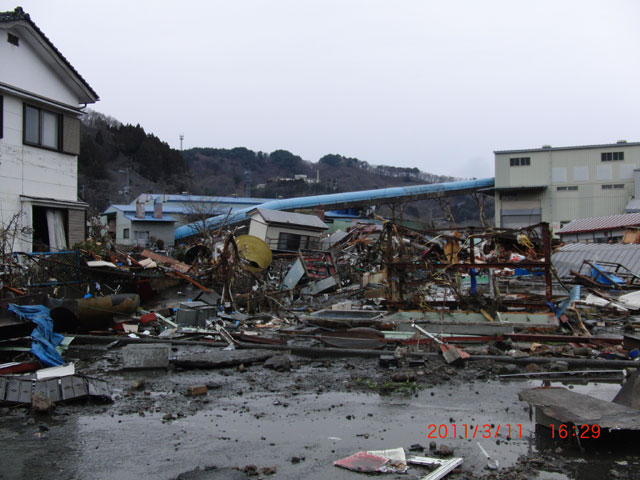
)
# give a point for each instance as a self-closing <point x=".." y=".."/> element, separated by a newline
<point x="45" y="340"/>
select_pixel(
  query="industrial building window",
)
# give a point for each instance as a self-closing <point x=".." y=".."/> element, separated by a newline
<point x="611" y="156"/>
<point x="520" y="161"/>
<point x="610" y="186"/>
<point x="41" y="128"/>
<point x="567" y="187"/>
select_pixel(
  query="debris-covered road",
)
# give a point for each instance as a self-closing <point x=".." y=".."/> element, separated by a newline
<point x="298" y="422"/>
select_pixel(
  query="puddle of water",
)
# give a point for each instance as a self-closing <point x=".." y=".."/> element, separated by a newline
<point x="267" y="429"/>
<point x="322" y="428"/>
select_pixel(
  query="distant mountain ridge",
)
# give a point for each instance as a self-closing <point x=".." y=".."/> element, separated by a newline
<point x="118" y="162"/>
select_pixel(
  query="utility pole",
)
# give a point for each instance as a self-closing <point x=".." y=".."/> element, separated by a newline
<point x="127" y="187"/>
<point x="247" y="183"/>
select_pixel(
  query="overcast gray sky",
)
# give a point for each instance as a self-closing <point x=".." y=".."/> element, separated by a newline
<point x="436" y="85"/>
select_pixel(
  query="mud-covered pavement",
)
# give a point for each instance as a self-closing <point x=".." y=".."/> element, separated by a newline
<point x="293" y="424"/>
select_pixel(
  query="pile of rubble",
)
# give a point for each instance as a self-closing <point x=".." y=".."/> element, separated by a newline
<point x="403" y="297"/>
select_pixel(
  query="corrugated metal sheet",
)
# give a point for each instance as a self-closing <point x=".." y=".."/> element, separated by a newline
<point x="570" y="256"/>
<point x="609" y="222"/>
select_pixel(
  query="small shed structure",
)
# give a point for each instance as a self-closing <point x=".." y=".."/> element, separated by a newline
<point x="286" y="230"/>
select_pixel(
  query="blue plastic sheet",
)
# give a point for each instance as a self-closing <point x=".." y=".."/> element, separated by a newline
<point x="603" y="277"/>
<point x="474" y="282"/>
<point x="45" y="340"/>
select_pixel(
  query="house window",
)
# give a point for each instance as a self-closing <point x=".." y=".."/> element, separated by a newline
<point x="292" y="241"/>
<point x="611" y="156"/>
<point x="567" y="187"/>
<point x="609" y="186"/>
<point x="520" y="161"/>
<point x="13" y="39"/>
<point x="41" y="128"/>
<point x="125" y="233"/>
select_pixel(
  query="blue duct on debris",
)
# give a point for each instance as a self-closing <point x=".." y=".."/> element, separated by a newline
<point x="44" y="339"/>
<point x="339" y="199"/>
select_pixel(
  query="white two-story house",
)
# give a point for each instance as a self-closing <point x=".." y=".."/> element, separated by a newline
<point x="41" y="100"/>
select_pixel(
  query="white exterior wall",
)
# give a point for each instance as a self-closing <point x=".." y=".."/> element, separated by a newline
<point x="258" y="229"/>
<point x="271" y="233"/>
<point x="581" y="167"/>
<point x="31" y="171"/>
<point x="31" y="72"/>
<point x="159" y="230"/>
<point x="27" y="170"/>
<point x="122" y="222"/>
<point x="164" y="231"/>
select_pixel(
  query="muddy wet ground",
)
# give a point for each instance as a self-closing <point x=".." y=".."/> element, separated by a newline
<point x="298" y="422"/>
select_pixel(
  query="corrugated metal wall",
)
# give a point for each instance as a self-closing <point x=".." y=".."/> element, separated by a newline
<point x="570" y="256"/>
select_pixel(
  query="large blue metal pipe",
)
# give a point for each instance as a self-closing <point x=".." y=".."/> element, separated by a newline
<point x="384" y="195"/>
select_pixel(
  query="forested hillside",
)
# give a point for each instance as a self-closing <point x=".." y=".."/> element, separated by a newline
<point x="117" y="162"/>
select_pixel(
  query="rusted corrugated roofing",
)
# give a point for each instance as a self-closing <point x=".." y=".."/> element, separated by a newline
<point x="609" y="222"/>
<point x="572" y="255"/>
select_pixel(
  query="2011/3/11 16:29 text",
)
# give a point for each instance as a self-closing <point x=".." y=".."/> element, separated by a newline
<point x="488" y="430"/>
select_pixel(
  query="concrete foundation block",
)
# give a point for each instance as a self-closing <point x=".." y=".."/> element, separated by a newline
<point x="146" y="356"/>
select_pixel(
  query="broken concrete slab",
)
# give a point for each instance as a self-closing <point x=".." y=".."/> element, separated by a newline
<point x="143" y="356"/>
<point x="222" y="358"/>
<point x="629" y="394"/>
<point x="560" y="406"/>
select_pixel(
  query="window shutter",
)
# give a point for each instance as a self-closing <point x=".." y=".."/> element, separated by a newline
<point x="71" y="135"/>
<point x="76" y="226"/>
